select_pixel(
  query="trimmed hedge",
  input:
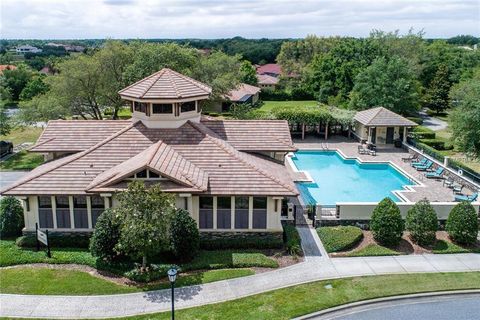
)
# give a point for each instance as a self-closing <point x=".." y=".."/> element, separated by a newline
<point x="293" y="243"/>
<point x="462" y="223"/>
<point x="434" y="143"/>
<point x="241" y="242"/>
<point x="423" y="133"/>
<point x="340" y="238"/>
<point x="11" y="217"/>
<point x="422" y="223"/>
<point x="386" y="223"/>
<point x="56" y="241"/>
<point x="417" y="120"/>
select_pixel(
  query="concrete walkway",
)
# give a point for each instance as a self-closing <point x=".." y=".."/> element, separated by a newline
<point x="81" y="307"/>
<point x="432" y="123"/>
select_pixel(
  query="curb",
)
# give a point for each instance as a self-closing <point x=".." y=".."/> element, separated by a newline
<point x="363" y="303"/>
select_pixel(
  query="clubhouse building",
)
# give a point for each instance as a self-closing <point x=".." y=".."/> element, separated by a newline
<point x="229" y="174"/>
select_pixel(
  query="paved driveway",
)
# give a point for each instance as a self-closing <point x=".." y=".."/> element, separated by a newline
<point x="9" y="177"/>
<point x="432" y="123"/>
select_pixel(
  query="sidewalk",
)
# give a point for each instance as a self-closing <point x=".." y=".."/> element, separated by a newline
<point x="58" y="307"/>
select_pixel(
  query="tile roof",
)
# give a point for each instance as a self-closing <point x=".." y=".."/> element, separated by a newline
<point x="166" y="84"/>
<point x="266" y="79"/>
<point x="242" y="92"/>
<point x="189" y="156"/>
<point x="269" y="68"/>
<point x="253" y="135"/>
<point x="7" y="67"/>
<point x="76" y="135"/>
<point x="381" y="116"/>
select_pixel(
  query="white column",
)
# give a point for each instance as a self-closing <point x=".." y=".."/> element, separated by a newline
<point x="250" y="212"/>
<point x="89" y="212"/>
<point x="214" y="212"/>
<point x="54" y="212"/>
<point x="72" y="219"/>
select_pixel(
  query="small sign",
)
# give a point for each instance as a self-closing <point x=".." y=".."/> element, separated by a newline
<point x="42" y="237"/>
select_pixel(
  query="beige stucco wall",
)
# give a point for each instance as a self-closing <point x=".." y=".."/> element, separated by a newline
<point x="363" y="211"/>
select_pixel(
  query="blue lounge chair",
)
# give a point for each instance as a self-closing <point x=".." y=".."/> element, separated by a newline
<point x="435" y="174"/>
<point x="462" y="197"/>
<point x="427" y="166"/>
<point x="419" y="163"/>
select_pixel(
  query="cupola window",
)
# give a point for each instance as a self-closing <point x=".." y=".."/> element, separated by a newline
<point x="162" y="108"/>
<point x="188" y="106"/>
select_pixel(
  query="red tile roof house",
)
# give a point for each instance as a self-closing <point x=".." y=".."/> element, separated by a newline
<point x="243" y="94"/>
<point x="271" y="69"/>
<point x="227" y="174"/>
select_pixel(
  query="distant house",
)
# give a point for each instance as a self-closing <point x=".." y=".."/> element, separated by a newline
<point x="244" y="93"/>
<point x="271" y="69"/>
<point x="266" y="81"/>
<point x="46" y="70"/>
<point x="7" y="67"/>
<point x="27" y="49"/>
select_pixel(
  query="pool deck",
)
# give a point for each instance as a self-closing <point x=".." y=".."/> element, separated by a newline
<point x="431" y="189"/>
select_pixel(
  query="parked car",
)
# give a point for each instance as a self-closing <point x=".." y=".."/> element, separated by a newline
<point x="6" y="147"/>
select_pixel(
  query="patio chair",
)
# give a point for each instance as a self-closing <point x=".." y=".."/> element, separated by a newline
<point x="419" y="163"/>
<point x="461" y="197"/>
<point x="457" y="189"/>
<point x="410" y="158"/>
<point x="427" y="166"/>
<point x="362" y="150"/>
<point x="435" y="174"/>
<point x="448" y="182"/>
<point x="372" y="152"/>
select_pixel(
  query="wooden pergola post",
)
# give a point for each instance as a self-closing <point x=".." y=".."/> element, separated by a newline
<point x="303" y="131"/>
<point x="326" y="131"/>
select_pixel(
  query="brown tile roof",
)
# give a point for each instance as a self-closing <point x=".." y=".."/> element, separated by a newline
<point x="242" y="92"/>
<point x="76" y="135"/>
<point x="166" y="84"/>
<point x="253" y="135"/>
<point x="201" y="152"/>
<point x="381" y="116"/>
<point x="7" y="67"/>
<point x="266" y="79"/>
<point x="269" y="68"/>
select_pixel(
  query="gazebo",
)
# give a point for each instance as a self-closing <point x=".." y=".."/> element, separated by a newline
<point x="381" y="126"/>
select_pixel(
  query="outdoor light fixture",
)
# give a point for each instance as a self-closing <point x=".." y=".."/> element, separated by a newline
<point x="172" y="276"/>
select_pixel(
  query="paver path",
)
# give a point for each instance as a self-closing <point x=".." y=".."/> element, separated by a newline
<point x="155" y="301"/>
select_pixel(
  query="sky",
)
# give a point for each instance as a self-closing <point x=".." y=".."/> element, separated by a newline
<point x="208" y="19"/>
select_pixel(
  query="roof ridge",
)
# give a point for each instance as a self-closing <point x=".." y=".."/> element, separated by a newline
<point x="158" y="74"/>
<point x="74" y="156"/>
<point x="137" y="82"/>
<point x="234" y="152"/>
<point x="192" y="81"/>
<point x="174" y="84"/>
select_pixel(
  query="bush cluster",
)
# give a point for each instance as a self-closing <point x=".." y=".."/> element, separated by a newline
<point x="422" y="223"/>
<point x="244" y="242"/>
<point x="106" y="236"/>
<point x="386" y="223"/>
<point x="462" y="223"/>
<point x="11" y="217"/>
<point x="293" y="243"/>
<point x="185" y="237"/>
<point x="56" y="240"/>
<point x="152" y="273"/>
<point x="339" y="238"/>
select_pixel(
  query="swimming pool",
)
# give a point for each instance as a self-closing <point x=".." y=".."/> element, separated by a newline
<point x="346" y="180"/>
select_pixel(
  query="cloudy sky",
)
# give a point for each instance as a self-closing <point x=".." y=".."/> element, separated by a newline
<point x="62" y="19"/>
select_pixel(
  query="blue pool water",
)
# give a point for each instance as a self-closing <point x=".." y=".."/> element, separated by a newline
<point x="339" y="180"/>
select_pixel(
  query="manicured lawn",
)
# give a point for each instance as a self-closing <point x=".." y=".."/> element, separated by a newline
<point x="230" y="259"/>
<point x="70" y="282"/>
<point x="271" y="105"/>
<point x="340" y="238"/>
<point x="124" y="113"/>
<point x="374" y="250"/>
<point x="307" y="298"/>
<point x="23" y="160"/>
<point x="442" y="247"/>
<point x="21" y="135"/>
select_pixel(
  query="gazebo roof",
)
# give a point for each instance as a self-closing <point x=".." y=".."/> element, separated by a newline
<point x="166" y="84"/>
<point x="382" y="117"/>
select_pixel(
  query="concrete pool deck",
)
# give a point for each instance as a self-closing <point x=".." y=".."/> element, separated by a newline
<point x="431" y="189"/>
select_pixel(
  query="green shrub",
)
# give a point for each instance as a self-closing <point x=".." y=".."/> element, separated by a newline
<point x="293" y="243"/>
<point x="252" y="241"/>
<point x="56" y="240"/>
<point x="423" y="133"/>
<point x="105" y="236"/>
<point x="422" y="223"/>
<point x="11" y="217"/>
<point x="462" y="223"/>
<point x="430" y="151"/>
<point x="340" y="238"/>
<point x="184" y="236"/>
<point x="386" y="224"/>
<point x="434" y="143"/>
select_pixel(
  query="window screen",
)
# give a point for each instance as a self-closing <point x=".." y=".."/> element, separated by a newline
<point x="188" y="106"/>
<point x="259" y="213"/>
<point x="206" y="213"/>
<point x="224" y="212"/>
<point x="241" y="212"/>
<point x="162" y="108"/>
<point x="80" y="212"/>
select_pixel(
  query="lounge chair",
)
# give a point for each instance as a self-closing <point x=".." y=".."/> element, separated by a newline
<point x="419" y="163"/>
<point x="372" y="152"/>
<point x="362" y="150"/>
<point x="410" y="158"/>
<point x="448" y="182"/>
<point x="427" y="166"/>
<point x="461" y="197"/>
<point x="435" y="174"/>
<point x="457" y="189"/>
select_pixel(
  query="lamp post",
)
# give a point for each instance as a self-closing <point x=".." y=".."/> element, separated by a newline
<point x="172" y="276"/>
